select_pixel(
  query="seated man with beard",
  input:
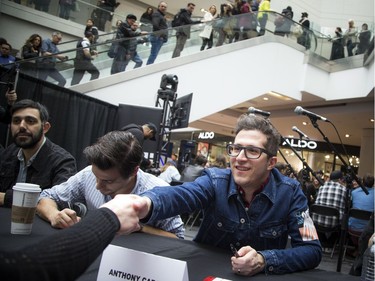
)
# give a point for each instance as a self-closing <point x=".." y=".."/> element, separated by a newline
<point x="32" y="158"/>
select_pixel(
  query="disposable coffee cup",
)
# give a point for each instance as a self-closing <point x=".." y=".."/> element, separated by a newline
<point x="25" y="198"/>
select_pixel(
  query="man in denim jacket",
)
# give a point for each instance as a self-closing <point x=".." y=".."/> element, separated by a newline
<point x="252" y="206"/>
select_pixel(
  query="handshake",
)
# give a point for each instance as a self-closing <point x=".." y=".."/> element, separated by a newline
<point x="129" y="208"/>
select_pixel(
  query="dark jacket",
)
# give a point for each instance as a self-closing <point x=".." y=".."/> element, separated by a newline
<point x="191" y="172"/>
<point x="159" y="25"/>
<point x="125" y="31"/>
<point x="137" y="132"/>
<point x="53" y="165"/>
<point x="185" y="19"/>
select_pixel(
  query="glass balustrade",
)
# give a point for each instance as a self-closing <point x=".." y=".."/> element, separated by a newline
<point x="225" y="31"/>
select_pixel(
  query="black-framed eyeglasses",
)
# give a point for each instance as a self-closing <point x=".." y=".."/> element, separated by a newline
<point x="251" y="152"/>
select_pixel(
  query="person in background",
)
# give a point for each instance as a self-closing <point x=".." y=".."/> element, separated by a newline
<point x="160" y="31"/>
<point x="146" y="20"/>
<point x="285" y="22"/>
<point x="32" y="158"/>
<point x="362" y="201"/>
<point x="220" y="162"/>
<point x="6" y="59"/>
<point x="207" y="34"/>
<point x="104" y="14"/>
<point x="143" y="132"/>
<point x="331" y="194"/>
<point x="114" y="169"/>
<point x="42" y="5"/>
<point x="304" y="39"/>
<point x="90" y="27"/>
<point x="47" y="67"/>
<point x="364" y="37"/>
<point x="226" y="24"/>
<point x="66" y="6"/>
<point x="337" y="51"/>
<point x="31" y="50"/>
<point x="350" y="37"/>
<point x="74" y="248"/>
<point x="191" y="172"/>
<point x="264" y="8"/>
<point x="11" y="98"/>
<point x="183" y="33"/>
<point x="83" y="60"/>
<point x="127" y="50"/>
<point x="169" y="172"/>
<point x="246" y="206"/>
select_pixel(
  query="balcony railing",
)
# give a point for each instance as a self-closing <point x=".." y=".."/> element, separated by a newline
<point x="225" y="31"/>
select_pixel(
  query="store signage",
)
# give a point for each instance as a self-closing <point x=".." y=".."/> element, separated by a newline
<point x="206" y="135"/>
<point x="301" y="143"/>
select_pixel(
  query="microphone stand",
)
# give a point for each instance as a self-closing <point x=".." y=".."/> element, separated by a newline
<point x="305" y="165"/>
<point x="288" y="164"/>
<point x="349" y="185"/>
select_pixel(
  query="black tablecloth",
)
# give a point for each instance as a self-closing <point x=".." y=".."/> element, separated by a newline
<point x="202" y="260"/>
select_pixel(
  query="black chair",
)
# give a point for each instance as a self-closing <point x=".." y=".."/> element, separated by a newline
<point x="327" y="211"/>
<point x="357" y="214"/>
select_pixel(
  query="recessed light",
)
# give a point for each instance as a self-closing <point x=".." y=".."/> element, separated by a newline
<point x="347" y="135"/>
<point x="372" y="120"/>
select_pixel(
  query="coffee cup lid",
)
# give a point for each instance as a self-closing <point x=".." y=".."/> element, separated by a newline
<point x="27" y="187"/>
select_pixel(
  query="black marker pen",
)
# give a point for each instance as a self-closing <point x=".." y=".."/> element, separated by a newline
<point x="234" y="251"/>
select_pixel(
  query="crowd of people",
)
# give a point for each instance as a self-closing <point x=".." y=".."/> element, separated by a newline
<point x="229" y="23"/>
<point x="342" y="192"/>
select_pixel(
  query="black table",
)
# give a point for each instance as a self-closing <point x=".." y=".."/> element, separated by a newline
<point x="202" y="261"/>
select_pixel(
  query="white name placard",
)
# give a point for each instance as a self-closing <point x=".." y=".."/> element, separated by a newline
<point x="120" y="263"/>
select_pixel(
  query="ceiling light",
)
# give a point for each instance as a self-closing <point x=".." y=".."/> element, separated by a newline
<point x="347" y="135"/>
<point x="279" y="96"/>
<point x="372" y="120"/>
<point x="265" y="98"/>
<point x="304" y="123"/>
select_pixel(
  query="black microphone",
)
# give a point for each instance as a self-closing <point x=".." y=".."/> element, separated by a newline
<point x="301" y="134"/>
<point x="299" y="110"/>
<point x="253" y="110"/>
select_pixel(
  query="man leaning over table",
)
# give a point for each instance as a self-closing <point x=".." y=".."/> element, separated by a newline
<point x="114" y="169"/>
<point x="252" y="206"/>
<point x="32" y="158"/>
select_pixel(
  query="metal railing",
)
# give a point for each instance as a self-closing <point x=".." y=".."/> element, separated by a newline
<point x="225" y="30"/>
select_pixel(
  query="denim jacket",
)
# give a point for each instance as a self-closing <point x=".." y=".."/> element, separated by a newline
<point x="277" y="212"/>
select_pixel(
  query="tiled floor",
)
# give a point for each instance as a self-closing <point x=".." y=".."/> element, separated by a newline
<point x="327" y="263"/>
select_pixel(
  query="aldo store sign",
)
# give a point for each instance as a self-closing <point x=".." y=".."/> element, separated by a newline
<point x="302" y="144"/>
<point x="206" y="135"/>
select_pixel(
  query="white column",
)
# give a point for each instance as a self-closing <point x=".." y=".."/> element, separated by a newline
<point x="367" y="153"/>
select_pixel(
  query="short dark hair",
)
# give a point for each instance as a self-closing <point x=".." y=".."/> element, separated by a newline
<point x="131" y="17"/>
<point x="200" y="160"/>
<point x="254" y="122"/>
<point x="6" y="43"/>
<point x="116" y="149"/>
<point x="368" y="180"/>
<point x="43" y="112"/>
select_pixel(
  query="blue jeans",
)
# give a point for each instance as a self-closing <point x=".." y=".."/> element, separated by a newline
<point x="156" y="43"/>
<point x="136" y="58"/>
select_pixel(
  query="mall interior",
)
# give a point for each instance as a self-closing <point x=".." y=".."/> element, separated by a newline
<point x="212" y="88"/>
<point x="323" y="108"/>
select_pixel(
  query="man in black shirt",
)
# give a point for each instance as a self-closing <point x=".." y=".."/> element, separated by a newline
<point x="183" y="33"/>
